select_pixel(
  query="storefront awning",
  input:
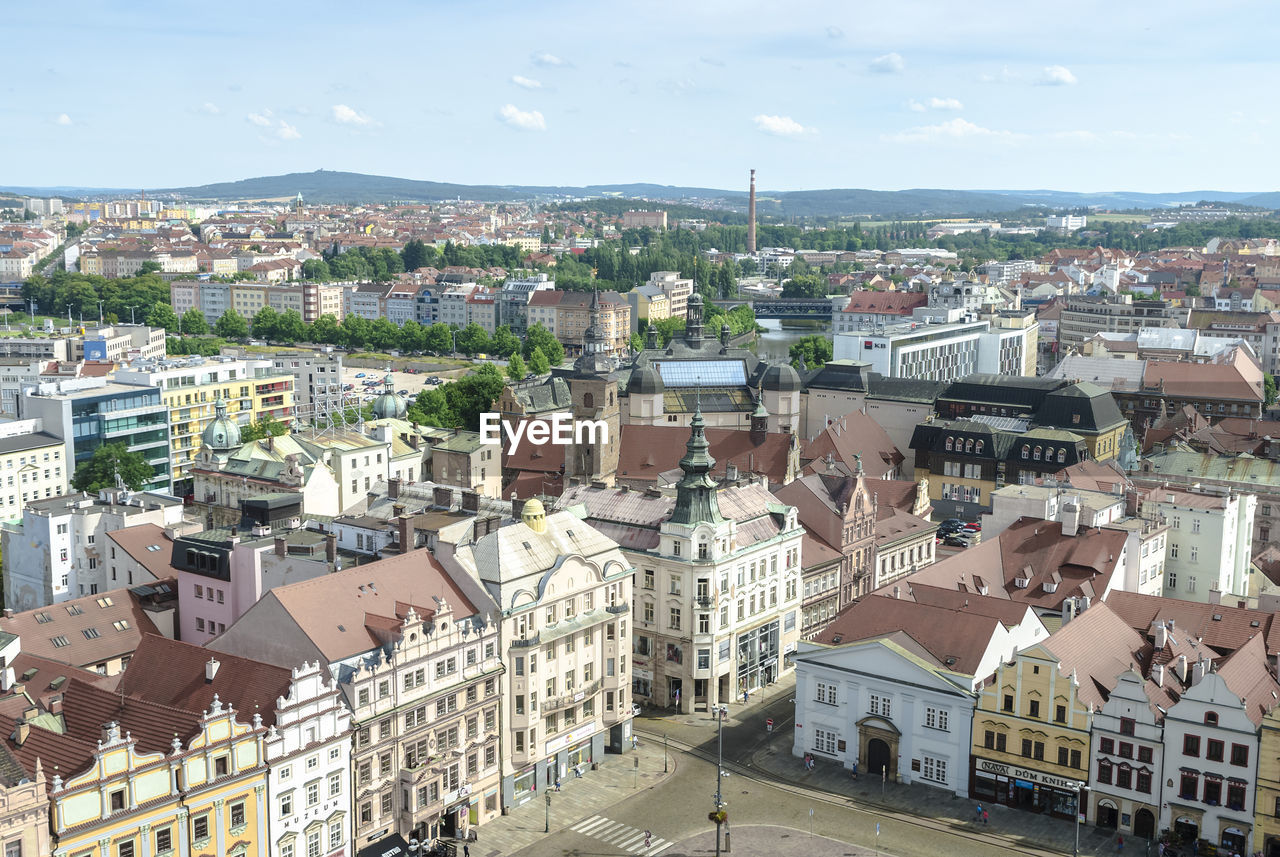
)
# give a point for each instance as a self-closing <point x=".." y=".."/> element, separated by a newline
<point x="390" y="846"/>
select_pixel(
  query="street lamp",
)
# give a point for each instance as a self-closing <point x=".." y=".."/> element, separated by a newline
<point x="720" y="715"/>
<point x="100" y="303"/>
<point x="547" y="826"/>
<point x="132" y="318"/>
<point x="664" y="752"/>
<point x="1076" y="852"/>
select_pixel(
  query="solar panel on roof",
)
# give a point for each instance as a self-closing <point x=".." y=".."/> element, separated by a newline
<point x="702" y="373"/>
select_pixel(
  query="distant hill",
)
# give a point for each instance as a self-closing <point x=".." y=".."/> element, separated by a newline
<point x="326" y="186"/>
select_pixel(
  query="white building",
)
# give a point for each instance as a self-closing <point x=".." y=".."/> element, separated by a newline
<point x="1211" y="739"/>
<point x="60" y="549"/>
<point x="564" y="592"/>
<point x="1210" y="542"/>
<point x="308" y="752"/>
<point x="1065" y="223"/>
<point x="718" y="589"/>
<point x="940" y="350"/>
<point x="452" y="309"/>
<point x="891" y="683"/>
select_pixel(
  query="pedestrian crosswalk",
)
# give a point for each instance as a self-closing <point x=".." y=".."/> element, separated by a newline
<point x="624" y="839"/>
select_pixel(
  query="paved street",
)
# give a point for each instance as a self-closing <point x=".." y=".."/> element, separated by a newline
<point x="774" y="805"/>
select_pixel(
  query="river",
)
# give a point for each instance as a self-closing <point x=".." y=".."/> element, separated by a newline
<point x="774" y="344"/>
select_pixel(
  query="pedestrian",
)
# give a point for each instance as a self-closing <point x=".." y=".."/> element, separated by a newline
<point x="855" y="770"/>
<point x="466" y="851"/>
<point x="986" y="819"/>
<point x="1119" y="844"/>
<point x="978" y="813"/>
<point x="635" y="742"/>
<point x="557" y="784"/>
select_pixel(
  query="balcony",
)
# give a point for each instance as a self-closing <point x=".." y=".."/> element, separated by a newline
<point x="618" y="609"/>
<point x="525" y="642"/>
<point x="572" y="698"/>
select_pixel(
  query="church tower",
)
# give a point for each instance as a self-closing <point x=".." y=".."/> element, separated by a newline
<point x="595" y="398"/>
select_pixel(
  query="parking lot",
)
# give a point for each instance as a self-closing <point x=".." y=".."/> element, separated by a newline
<point x="408" y="384"/>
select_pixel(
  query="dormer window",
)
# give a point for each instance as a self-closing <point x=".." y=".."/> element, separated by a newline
<point x="1062" y="455"/>
<point x="968" y="446"/>
<point x="950" y="444"/>
<point x="1026" y="450"/>
<point x="1211" y="718"/>
<point x="1037" y="454"/>
<point x="978" y="447"/>
<point x="704" y="550"/>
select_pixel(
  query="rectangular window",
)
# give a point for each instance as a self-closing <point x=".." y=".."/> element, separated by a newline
<point x="335" y="784"/>
<point x="824" y="741"/>
<point x="826" y="693"/>
<point x="200" y="827"/>
<point x="1076" y="761"/>
<point x="1060" y="714"/>
<point x="1063" y="756"/>
<point x="1144" y="754"/>
<point x="237" y="814"/>
<point x="1144" y="782"/>
<point x="937" y="718"/>
<point x="1235" y="796"/>
<point x="881" y="706"/>
<point x="1213" y="750"/>
<point x="1008" y="702"/>
<point x="1124" y="777"/>
<point x="1104" y="772"/>
<point x="1212" y="791"/>
<point x="1239" y="755"/>
<point x="934" y="770"/>
<point x="1188" y="787"/>
<point x="1026" y="748"/>
<point x="1191" y="745"/>
<point x="164" y="842"/>
<point x="1033" y="708"/>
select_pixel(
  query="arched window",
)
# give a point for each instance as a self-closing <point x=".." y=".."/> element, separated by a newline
<point x="949" y="444"/>
<point x="1026" y="450"/>
<point x="1036" y="456"/>
<point x="588" y="400"/>
<point x="1211" y="718"/>
<point x="1062" y="455"/>
<point x="968" y="445"/>
<point x="978" y="447"/>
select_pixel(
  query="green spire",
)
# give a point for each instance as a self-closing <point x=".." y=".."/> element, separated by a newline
<point x="696" y="494"/>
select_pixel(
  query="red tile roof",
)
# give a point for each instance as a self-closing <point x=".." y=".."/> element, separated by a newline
<point x="83" y="631"/>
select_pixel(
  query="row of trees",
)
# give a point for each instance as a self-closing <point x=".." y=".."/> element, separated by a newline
<point x="382" y="264"/>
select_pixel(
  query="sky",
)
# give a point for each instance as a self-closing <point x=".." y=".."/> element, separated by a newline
<point x="1003" y="94"/>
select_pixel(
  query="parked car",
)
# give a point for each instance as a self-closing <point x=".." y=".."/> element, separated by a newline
<point x="972" y="528"/>
<point x="359" y="374"/>
<point x="957" y="542"/>
<point x="950" y="525"/>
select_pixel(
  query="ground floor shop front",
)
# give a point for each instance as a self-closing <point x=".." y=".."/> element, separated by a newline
<point x="570" y="755"/>
<point x="1027" y="789"/>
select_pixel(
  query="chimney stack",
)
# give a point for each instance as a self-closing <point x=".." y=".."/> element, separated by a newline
<point x="405" y="524"/>
<point x="1181" y="668"/>
<point x="1070" y="517"/>
<point x="1198" y="670"/>
<point x="1159" y="634"/>
<point x="1157" y="674"/>
<point x="281" y="548"/>
<point x="751" y="216"/>
<point x="24" y="729"/>
<point x="330" y="547"/>
<point x="393" y="488"/>
<point x="211" y="670"/>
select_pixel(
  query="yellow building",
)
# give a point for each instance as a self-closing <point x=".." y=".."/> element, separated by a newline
<point x="134" y="789"/>
<point x="1266" y="833"/>
<point x="249" y="389"/>
<point x="1031" y="725"/>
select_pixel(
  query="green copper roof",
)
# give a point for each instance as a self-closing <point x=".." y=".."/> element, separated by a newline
<point x="696" y="494"/>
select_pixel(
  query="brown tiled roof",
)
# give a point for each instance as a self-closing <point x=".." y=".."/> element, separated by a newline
<point x="1095" y="476"/>
<point x="885" y="303"/>
<point x="82" y="631"/>
<point x="333" y="610"/>
<point x="43" y="679"/>
<point x="645" y="452"/>
<point x="1229" y="631"/>
<point x="1267" y="561"/>
<point x="85" y="708"/>
<point x="1211" y="381"/>
<point x="136" y="540"/>
<point x="850" y="436"/>
<point x="62" y="755"/>
<point x="956" y="639"/>
<point x="1009" y="613"/>
<point x="1096" y="646"/>
<point x="1056" y="566"/>
<point x="899" y="494"/>
<point x="173" y="673"/>
<point x="1248" y="674"/>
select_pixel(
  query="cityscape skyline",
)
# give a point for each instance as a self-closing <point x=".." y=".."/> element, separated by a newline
<point x="827" y="97"/>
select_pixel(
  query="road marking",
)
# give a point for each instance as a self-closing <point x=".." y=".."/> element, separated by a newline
<point x="627" y="839"/>
<point x="587" y="824"/>
<point x="618" y="835"/>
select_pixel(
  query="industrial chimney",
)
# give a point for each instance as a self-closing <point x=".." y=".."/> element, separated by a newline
<point x="751" y="216"/>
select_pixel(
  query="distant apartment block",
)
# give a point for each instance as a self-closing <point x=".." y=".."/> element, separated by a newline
<point x="1065" y="223"/>
<point x="643" y="219"/>
<point x="677" y="289"/>
<point x="1083" y="316"/>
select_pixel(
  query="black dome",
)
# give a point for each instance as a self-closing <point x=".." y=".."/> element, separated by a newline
<point x="781" y="379"/>
<point x="645" y="380"/>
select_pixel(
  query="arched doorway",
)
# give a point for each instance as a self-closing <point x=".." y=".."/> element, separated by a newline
<point x="1186" y="828"/>
<point x="1272" y="848"/>
<point x="1107" y="814"/>
<point x="877" y="756"/>
<point x="1144" y="824"/>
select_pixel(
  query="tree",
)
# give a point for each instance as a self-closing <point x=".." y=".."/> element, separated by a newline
<point x="266" y="324"/>
<point x="355" y="331"/>
<point x="804" y="286"/>
<point x="472" y="339"/>
<point x="474" y="394"/>
<point x="149" y="267"/>
<point x="315" y="269"/>
<point x="384" y="335"/>
<point x="264" y="426"/>
<point x="505" y="343"/>
<point x="162" y="315"/>
<point x="414" y="255"/>
<point x="291" y="328"/>
<point x="439" y="339"/>
<point x="193" y="323"/>
<point x="515" y="368"/>
<point x="231" y="325"/>
<point x="814" y="350"/>
<point x="413" y="336"/>
<point x="1269" y="390"/>
<point x="538" y="362"/>
<point x="325" y="330"/>
<point x="109" y="460"/>
<point x="540" y="339"/>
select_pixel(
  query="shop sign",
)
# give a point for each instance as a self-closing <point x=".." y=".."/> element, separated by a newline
<point x="647" y="675"/>
<point x="1037" y="777"/>
<point x="557" y="744"/>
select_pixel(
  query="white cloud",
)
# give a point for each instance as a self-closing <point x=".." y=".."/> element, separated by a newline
<point x="280" y="128"/>
<point x="526" y="82"/>
<point x="834" y="32"/>
<point x="345" y="115"/>
<point x="262" y="120"/>
<point x="780" y="126"/>
<point x="1003" y="76"/>
<point x="952" y="129"/>
<point x="525" y="120"/>
<point x="935" y="104"/>
<point x="287" y="131"/>
<point x="210" y="108"/>
<point x="1056" y="75"/>
<point x="887" y="64"/>
<point x="62" y="119"/>
<point x="548" y="60"/>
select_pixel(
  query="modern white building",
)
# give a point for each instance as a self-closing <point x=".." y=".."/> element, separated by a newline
<point x="889" y="686"/>
<point x="1065" y="223"/>
<point x="1210" y="542"/>
<point x="941" y="350"/>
